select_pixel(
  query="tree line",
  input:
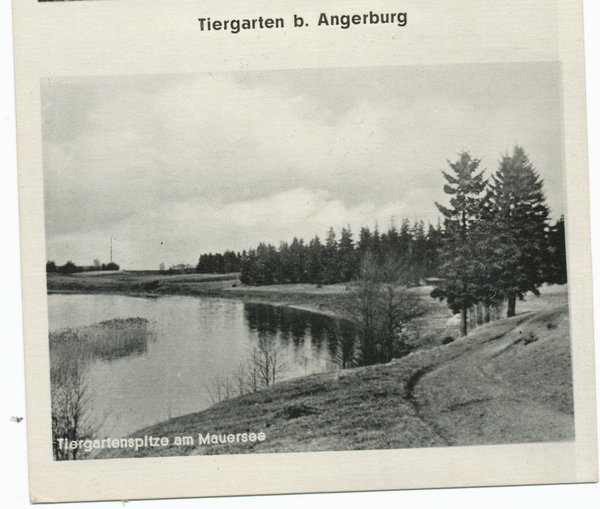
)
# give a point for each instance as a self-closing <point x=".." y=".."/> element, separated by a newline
<point x="218" y="263"/>
<point x="72" y="268"/>
<point x="336" y="260"/>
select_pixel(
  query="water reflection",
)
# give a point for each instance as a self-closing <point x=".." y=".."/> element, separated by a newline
<point x="296" y="325"/>
<point x="328" y="338"/>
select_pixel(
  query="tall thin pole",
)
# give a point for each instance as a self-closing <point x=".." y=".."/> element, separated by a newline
<point x="111" y="248"/>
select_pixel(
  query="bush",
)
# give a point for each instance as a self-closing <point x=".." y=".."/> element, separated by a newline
<point x="531" y="338"/>
<point x="383" y="308"/>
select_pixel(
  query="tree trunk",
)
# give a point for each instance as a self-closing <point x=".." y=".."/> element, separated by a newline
<point x="512" y="304"/>
<point x="463" y="321"/>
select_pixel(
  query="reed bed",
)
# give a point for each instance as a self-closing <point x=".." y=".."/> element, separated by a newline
<point x="70" y="352"/>
<point x="107" y="340"/>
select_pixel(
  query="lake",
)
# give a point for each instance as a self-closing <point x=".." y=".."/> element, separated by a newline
<point x="193" y="347"/>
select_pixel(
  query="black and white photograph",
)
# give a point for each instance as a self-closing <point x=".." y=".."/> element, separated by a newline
<point x="306" y="260"/>
<point x="308" y="257"/>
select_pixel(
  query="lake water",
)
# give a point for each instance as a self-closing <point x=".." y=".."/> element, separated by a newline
<point x="192" y="343"/>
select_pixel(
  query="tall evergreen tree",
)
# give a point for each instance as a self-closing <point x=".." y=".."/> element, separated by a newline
<point x="516" y="218"/>
<point x="464" y="186"/>
<point x="433" y="248"/>
<point x="557" y="266"/>
<point x="297" y="261"/>
<point x="405" y="243"/>
<point x="418" y="257"/>
<point x="347" y="261"/>
<point x="365" y="241"/>
<point x="330" y="270"/>
<point x="315" y="261"/>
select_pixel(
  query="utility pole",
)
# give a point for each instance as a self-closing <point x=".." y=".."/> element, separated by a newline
<point x="111" y="248"/>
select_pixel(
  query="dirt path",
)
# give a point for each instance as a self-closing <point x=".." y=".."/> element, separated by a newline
<point x="477" y="399"/>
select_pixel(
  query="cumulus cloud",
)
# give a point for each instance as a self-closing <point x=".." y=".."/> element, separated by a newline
<point x="178" y="165"/>
<point x="179" y="233"/>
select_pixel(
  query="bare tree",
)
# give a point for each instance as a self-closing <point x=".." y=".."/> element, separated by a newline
<point x="70" y="409"/>
<point x="345" y="335"/>
<point x="269" y="360"/>
<point x="253" y="376"/>
<point x="382" y="306"/>
<point x="220" y="389"/>
<point x="264" y="367"/>
<point x="364" y="309"/>
<point x="240" y="381"/>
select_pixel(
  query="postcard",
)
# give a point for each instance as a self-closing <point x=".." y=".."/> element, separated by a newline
<point x="276" y="249"/>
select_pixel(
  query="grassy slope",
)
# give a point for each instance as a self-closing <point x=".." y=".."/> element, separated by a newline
<point x="507" y="382"/>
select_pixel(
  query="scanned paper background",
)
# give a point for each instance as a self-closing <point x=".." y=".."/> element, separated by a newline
<point x="84" y="53"/>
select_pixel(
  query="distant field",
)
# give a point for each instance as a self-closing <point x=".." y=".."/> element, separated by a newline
<point x="147" y="283"/>
<point x="133" y="282"/>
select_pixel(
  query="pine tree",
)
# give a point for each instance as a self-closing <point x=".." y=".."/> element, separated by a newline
<point x="315" y="261"/>
<point x="516" y="219"/>
<point x="418" y="259"/>
<point x="347" y="261"/>
<point x="432" y="250"/>
<point x="557" y="266"/>
<point x="297" y="261"/>
<point x="465" y="187"/>
<point x="405" y="243"/>
<point x="330" y="270"/>
<point x="365" y="241"/>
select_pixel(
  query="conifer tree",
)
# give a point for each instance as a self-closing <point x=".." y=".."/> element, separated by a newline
<point x="432" y="252"/>
<point x="516" y="219"/>
<point x="557" y="266"/>
<point x="464" y="186"/>
<point x="347" y="262"/>
<point x="365" y="241"/>
<point x="330" y="270"/>
<point x="315" y="261"/>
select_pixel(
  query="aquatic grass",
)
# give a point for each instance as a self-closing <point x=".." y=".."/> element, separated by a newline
<point x="70" y="352"/>
<point x="107" y="340"/>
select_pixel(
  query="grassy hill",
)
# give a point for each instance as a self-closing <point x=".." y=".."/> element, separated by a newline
<point x="506" y="382"/>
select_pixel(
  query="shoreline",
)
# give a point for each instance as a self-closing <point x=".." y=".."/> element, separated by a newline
<point x="326" y="300"/>
<point x="241" y="298"/>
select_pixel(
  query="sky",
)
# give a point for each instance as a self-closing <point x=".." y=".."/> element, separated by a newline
<point x="173" y="166"/>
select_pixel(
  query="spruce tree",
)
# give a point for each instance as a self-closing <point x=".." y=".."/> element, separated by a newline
<point x="347" y="260"/>
<point x="516" y="219"/>
<point x="330" y="270"/>
<point x="464" y="186"/>
<point x="557" y="266"/>
<point x="315" y="261"/>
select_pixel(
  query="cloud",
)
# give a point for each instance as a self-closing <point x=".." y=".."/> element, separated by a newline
<point x="180" y="234"/>
<point x="224" y="161"/>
